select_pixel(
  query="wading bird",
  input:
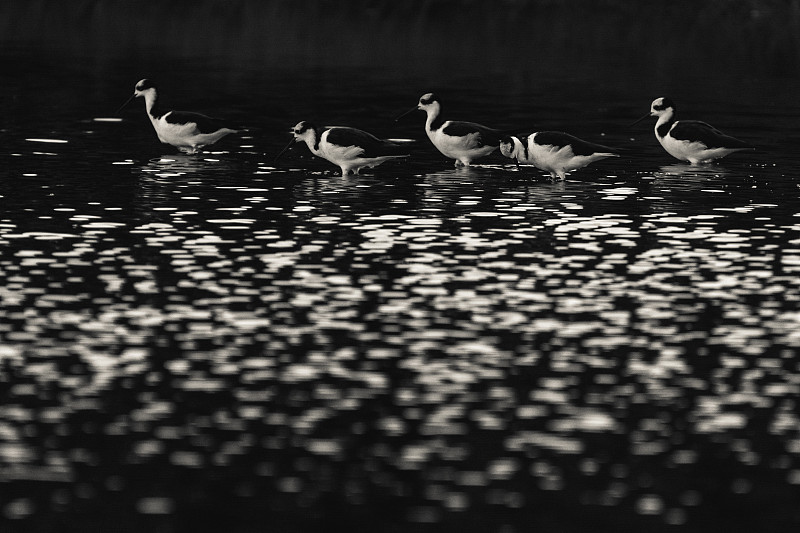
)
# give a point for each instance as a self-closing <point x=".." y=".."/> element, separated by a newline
<point x="348" y="148"/>
<point x="554" y="151"/>
<point x="462" y="141"/>
<point x="690" y="140"/>
<point x="187" y="131"/>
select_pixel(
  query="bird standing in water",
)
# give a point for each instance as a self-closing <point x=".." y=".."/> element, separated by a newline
<point x="462" y="141"/>
<point x="187" y="131"/>
<point x="554" y="151"/>
<point x="690" y="140"/>
<point x="348" y="148"/>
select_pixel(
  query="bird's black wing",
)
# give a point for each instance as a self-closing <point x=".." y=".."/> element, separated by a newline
<point x="695" y="130"/>
<point x="373" y="146"/>
<point x="205" y="124"/>
<point x="487" y="136"/>
<point x="579" y="146"/>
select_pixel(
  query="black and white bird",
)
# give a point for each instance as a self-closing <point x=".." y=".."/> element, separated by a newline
<point x="350" y="149"/>
<point x="462" y="141"/>
<point x="554" y="151"/>
<point x="690" y="140"/>
<point x="187" y="131"/>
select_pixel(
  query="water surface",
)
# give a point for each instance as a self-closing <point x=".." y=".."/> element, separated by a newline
<point x="223" y="342"/>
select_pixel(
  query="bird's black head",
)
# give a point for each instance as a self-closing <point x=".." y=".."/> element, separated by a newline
<point x="145" y="84"/>
<point x="507" y="146"/>
<point x="303" y="127"/>
<point x="663" y="103"/>
<point x="427" y="99"/>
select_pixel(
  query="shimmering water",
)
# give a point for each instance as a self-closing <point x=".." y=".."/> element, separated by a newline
<point x="225" y="343"/>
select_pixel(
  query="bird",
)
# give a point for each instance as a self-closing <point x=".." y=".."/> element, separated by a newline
<point x="462" y="141"/>
<point x="690" y="140"/>
<point x="187" y="131"/>
<point x="350" y="149"/>
<point x="554" y="151"/>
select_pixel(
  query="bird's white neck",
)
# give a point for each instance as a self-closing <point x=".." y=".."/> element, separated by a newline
<point x="310" y="138"/>
<point x="432" y="112"/>
<point x="150" y="101"/>
<point x="667" y="117"/>
<point x="519" y="152"/>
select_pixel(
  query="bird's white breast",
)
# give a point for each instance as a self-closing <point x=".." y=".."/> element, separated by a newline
<point x="337" y="154"/>
<point x="680" y="149"/>
<point x="175" y="134"/>
<point x="456" y="147"/>
<point x="548" y="156"/>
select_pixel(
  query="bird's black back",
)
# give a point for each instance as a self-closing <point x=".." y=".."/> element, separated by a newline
<point x="373" y="146"/>
<point x="579" y="146"/>
<point x="695" y="130"/>
<point x="204" y="123"/>
<point x="488" y="136"/>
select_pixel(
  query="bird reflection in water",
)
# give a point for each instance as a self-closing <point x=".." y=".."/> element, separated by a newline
<point x="689" y="170"/>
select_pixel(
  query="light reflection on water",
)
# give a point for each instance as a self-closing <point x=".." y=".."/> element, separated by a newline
<point x="419" y="346"/>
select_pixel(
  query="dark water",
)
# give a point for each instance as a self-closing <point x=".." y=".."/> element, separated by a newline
<point x="225" y="343"/>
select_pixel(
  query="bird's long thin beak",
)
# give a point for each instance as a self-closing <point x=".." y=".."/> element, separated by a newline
<point x="635" y="122"/>
<point x="291" y="142"/>
<point x="128" y="101"/>
<point x="404" y="113"/>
